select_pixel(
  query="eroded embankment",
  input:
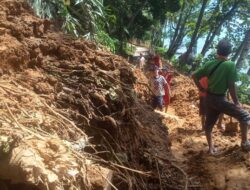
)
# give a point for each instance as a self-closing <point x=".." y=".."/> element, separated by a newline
<point x="51" y="86"/>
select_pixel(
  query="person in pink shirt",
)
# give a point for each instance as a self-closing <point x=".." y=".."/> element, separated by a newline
<point x="168" y="76"/>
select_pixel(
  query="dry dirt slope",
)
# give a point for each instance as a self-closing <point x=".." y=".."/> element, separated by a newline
<point x="52" y="85"/>
<point x="229" y="170"/>
<point x="70" y="116"/>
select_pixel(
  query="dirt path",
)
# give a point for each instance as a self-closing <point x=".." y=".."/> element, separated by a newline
<point x="140" y="49"/>
<point x="229" y="170"/>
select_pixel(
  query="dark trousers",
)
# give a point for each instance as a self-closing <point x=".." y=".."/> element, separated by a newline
<point x="157" y="102"/>
<point x="218" y="104"/>
<point x="202" y="106"/>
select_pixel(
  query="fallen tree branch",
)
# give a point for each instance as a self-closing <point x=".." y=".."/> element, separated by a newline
<point x="177" y="167"/>
<point x="159" y="175"/>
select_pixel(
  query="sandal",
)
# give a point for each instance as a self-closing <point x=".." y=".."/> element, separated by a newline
<point x="222" y="128"/>
<point x="245" y="146"/>
<point x="213" y="152"/>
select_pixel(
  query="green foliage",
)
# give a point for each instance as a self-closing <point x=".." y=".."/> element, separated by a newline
<point x="160" y="50"/>
<point x="210" y="56"/>
<point x="198" y="62"/>
<point x="182" y="68"/>
<point x="244" y="88"/>
<point x="160" y="7"/>
<point x="147" y="36"/>
<point x="78" y="17"/>
<point x="199" y="58"/>
<point x="137" y="19"/>
<point x="109" y="19"/>
<point x="222" y="18"/>
<point x="129" y="49"/>
<point x="104" y="39"/>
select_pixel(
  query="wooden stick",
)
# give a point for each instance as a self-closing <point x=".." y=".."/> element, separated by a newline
<point x="20" y="126"/>
<point x="72" y="123"/>
<point x="108" y="181"/>
<point x="184" y="173"/>
<point x="133" y="170"/>
<point x="159" y="175"/>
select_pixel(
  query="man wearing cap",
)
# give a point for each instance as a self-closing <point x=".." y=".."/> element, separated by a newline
<point x="222" y="76"/>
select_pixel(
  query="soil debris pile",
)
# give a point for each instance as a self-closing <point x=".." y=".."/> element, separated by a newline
<point x="185" y="100"/>
<point x="228" y="169"/>
<point x="75" y="108"/>
<point x="38" y="144"/>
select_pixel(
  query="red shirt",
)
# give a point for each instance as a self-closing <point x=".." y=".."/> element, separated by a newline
<point x="168" y="78"/>
<point x="157" y="60"/>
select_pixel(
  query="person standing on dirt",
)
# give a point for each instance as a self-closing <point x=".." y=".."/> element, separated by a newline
<point x="202" y="105"/>
<point x="141" y="62"/>
<point x="168" y="77"/>
<point x="157" y="61"/>
<point x="222" y="76"/>
<point x="157" y="85"/>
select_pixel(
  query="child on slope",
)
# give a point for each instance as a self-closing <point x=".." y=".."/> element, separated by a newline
<point x="157" y="85"/>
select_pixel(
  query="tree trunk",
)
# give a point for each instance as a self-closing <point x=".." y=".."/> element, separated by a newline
<point x="215" y="29"/>
<point x="207" y="43"/>
<point x="197" y="27"/>
<point x="244" y="51"/>
<point x="178" y="25"/>
<point x="239" y="50"/>
<point x="210" y="39"/>
<point x="157" y="33"/>
<point x="178" y="40"/>
<point x="132" y="19"/>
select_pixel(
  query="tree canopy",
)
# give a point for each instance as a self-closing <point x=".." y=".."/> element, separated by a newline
<point x="115" y="19"/>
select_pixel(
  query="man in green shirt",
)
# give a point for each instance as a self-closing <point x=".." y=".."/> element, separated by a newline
<point x="222" y="75"/>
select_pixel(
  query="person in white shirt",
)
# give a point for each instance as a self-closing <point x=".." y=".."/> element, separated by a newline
<point x="157" y="85"/>
<point x="141" y="62"/>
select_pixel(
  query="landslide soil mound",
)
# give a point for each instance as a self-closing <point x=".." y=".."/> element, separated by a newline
<point x="73" y="116"/>
<point x="75" y="111"/>
<point x="229" y="168"/>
